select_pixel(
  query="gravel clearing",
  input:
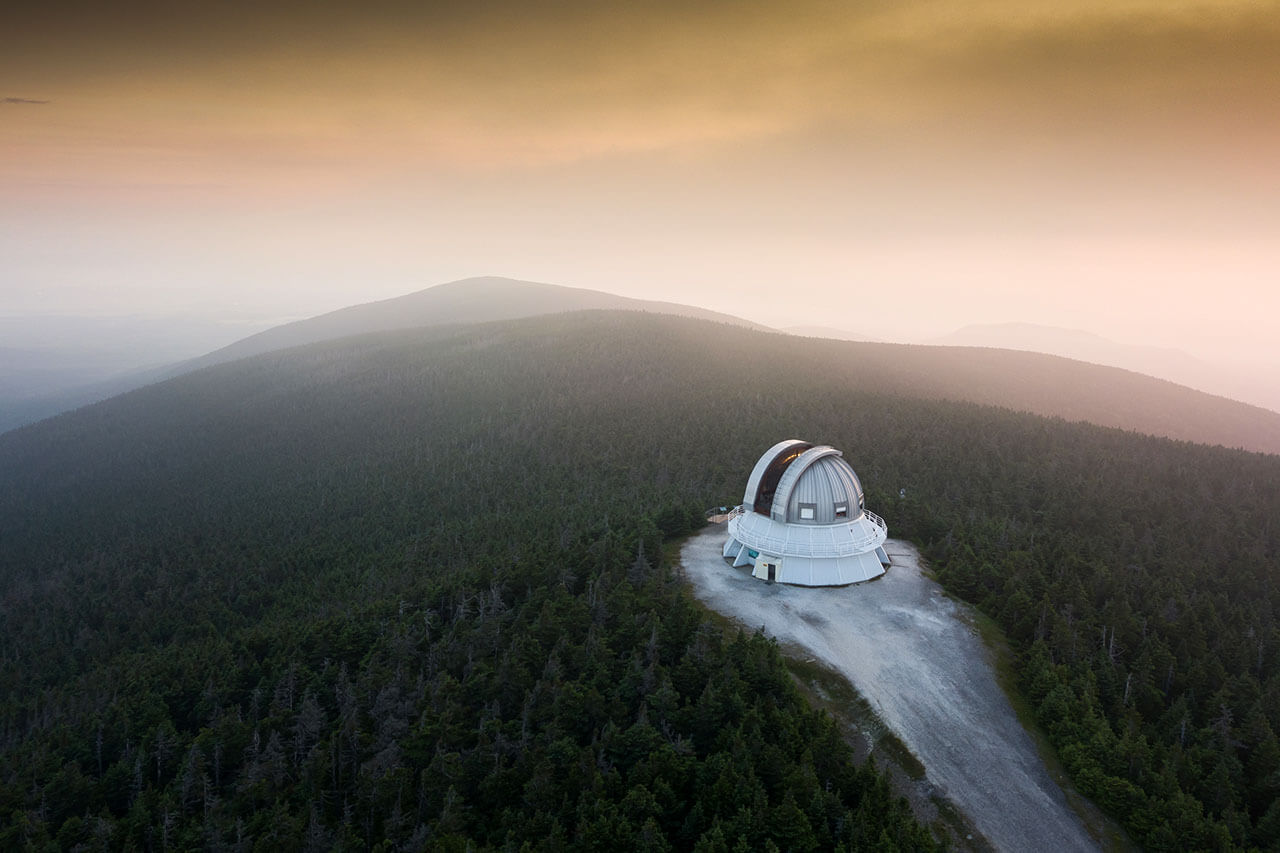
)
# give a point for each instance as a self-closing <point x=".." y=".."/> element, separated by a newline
<point x="915" y="656"/>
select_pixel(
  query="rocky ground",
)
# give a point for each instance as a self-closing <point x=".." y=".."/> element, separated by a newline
<point x="916" y="658"/>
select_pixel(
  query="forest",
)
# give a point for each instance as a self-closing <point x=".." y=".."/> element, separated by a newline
<point x="408" y="590"/>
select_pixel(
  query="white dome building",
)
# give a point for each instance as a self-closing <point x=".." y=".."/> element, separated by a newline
<point x="803" y="520"/>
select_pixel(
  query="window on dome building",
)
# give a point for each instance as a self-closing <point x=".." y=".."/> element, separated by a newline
<point x="808" y="512"/>
<point x="842" y="510"/>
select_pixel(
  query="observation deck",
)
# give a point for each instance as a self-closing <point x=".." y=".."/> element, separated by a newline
<point x="856" y="536"/>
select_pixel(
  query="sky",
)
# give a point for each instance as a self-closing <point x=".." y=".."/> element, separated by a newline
<point x="898" y="169"/>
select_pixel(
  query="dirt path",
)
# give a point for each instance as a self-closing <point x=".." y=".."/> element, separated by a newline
<point x="914" y="655"/>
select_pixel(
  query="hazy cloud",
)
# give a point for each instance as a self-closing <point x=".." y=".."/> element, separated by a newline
<point x="1104" y="164"/>
<point x="22" y="101"/>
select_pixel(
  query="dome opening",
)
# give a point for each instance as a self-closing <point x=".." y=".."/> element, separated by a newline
<point x="763" y="502"/>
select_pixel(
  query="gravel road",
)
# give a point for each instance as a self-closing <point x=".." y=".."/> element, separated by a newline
<point x="916" y="658"/>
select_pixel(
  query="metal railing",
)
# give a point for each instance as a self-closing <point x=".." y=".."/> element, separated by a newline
<point x="798" y="547"/>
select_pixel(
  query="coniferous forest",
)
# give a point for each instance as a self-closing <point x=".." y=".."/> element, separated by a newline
<point x="409" y="591"/>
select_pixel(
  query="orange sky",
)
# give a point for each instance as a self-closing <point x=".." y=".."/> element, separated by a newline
<point x="899" y="168"/>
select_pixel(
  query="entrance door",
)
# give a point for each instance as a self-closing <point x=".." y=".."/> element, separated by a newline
<point x="773" y="571"/>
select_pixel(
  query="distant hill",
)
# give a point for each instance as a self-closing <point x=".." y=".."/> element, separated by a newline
<point x="1023" y="381"/>
<point x="1160" y="362"/>
<point x="1006" y="377"/>
<point x="470" y="300"/>
<point x="1060" y="387"/>
<point x="1028" y="381"/>
<point x="1043" y="384"/>
<point x="829" y="332"/>
<point x="37" y="384"/>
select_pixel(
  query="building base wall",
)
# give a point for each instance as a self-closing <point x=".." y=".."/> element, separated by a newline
<point x="808" y="571"/>
<point x="807" y="554"/>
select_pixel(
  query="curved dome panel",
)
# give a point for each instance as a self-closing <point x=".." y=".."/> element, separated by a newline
<point x="819" y="487"/>
<point x="763" y="482"/>
<point x="828" y="490"/>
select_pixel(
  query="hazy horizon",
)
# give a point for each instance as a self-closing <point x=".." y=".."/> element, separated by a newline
<point x="900" y="170"/>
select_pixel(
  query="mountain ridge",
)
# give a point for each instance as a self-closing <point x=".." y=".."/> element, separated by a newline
<point x="479" y="299"/>
<point x="1168" y="363"/>
<point x="469" y="300"/>
<point x="1021" y="379"/>
<point x="1040" y="384"/>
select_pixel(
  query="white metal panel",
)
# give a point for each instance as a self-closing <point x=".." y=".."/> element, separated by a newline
<point x="825" y="483"/>
<point x="787" y="484"/>
<point x="753" y="482"/>
<point x="855" y="536"/>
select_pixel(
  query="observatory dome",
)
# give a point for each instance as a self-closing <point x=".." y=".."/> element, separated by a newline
<point x="803" y="520"/>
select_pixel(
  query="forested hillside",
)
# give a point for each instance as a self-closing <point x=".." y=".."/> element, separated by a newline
<point x="393" y="587"/>
<point x="392" y="594"/>
<point x="1024" y="381"/>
